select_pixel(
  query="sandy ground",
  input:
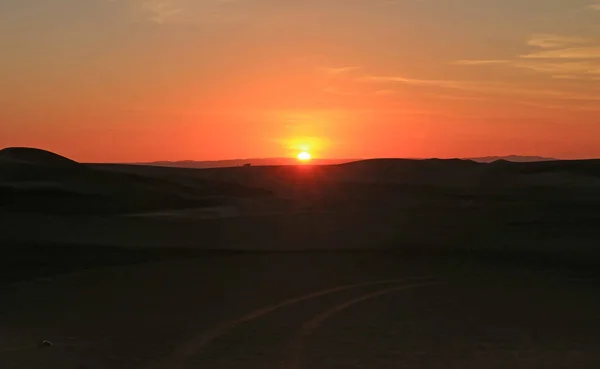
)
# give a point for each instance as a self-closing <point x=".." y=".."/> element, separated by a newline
<point x="431" y="288"/>
<point x="307" y="310"/>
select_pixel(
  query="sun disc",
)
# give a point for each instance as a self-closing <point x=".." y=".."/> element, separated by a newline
<point x="304" y="156"/>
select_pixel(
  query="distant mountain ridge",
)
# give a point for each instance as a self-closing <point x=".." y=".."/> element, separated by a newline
<point x="242" y="162"/>
<point x="292" y="161"/>
<point x="512" y="158"/>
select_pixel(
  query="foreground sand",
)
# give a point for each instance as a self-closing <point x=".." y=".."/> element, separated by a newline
<point x="307" y="310"/>
<point x="461" y="265"/>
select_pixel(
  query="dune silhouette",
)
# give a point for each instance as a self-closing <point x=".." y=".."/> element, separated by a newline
<point x="312" y="206"/>
<point x="432" y="171"/>
<point x="32" y="156"/>
<point x="512" y="158"/>
<point x="35" y="165"/>
<point x="33" y="180"/>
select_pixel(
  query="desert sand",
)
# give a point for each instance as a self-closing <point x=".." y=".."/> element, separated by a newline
<point x="380" y="263"/>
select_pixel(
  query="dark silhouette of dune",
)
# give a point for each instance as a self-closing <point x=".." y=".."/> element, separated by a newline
<point x="35" y="166"/>
<point x="429" y="204"/>
<point x="512" y="158"/>
<point x="584" y="167"/>
<point x="428" y="171"/>
<point x="32" y="156"/>
<point x="34" y="180"/>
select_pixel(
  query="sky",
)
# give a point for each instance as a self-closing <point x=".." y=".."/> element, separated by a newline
<point x="144" y="80"/>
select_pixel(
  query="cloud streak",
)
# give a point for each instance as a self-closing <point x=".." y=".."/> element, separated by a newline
<point x="339" y="70"/>
<point x="551" y="41"/>
<point x="481" y="62"/>
<point x="561" y="69"/>
<point x="487" y="87"/>
<point x="592" y="52"/>
<point x="559" y="58"/>
<point x="156" y="11"/>
<point x="182" y="11"/>
<point x="161" y="11"/>
<point x="568" y="68"/>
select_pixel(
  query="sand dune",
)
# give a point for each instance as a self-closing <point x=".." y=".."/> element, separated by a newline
<point x="372" y="204"/>
<point x="41" y="182"/>
<point x="32" y="156"/>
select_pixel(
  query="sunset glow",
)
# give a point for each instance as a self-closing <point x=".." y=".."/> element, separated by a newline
<point x="144" y="80"/>
<point x="304" y="156"/>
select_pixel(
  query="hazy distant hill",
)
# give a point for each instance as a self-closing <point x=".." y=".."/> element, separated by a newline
<point x="513" y="158"/>
<point x="292" y="161"/>
<point x="241" y="162"/>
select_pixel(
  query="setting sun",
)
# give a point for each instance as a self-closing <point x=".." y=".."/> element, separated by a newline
<point x="304" y="156"/>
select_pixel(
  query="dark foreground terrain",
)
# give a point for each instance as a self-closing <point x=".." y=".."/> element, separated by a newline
<point x="305" y="310"/>
<point x="372" y="264"/>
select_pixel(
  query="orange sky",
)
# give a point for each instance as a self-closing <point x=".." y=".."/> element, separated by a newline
<point x="143" y="80"/>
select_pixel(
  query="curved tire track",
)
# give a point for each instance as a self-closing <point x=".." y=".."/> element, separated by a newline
<point x="192" y="347"/>
<point x="298" y="343"/>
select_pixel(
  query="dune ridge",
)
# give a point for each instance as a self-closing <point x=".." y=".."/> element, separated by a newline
<point x="547" y="207"/>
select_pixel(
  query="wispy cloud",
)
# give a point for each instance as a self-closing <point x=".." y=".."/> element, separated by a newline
<point x="595" y="6"/>
<point x="161" y="11"/>
<point x="559" y="59"/>
<point x="481" y="62"/>
<point x="339" y="70"/>
<point x="568" y="69"/>
<point x="560" y="69"/>
<point x="384" y="92"/>
<point x="551" y="41"/>
<point x="486" y="87"/>
<point x="566" y="77"/>
<point x="183" y="11"/>
<point x="157" y="11"/>
<point x="422" y="82"/>
<point x="567" y="104"/>
<point x="592" y="52"/>
<point x="411" y="81"/>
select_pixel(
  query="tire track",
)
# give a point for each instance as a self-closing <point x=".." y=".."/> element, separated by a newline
<point x="192" y="347"/>
<point x="297" y="345"/>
